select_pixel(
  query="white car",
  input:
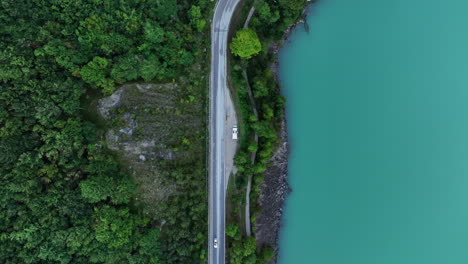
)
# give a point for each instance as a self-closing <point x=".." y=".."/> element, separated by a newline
<point x="235" y="131"/>
<point x="215" y="243"/>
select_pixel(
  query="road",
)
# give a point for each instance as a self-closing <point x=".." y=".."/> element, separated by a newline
<point x="218" y="88"/>
<point x="230" y="146"/>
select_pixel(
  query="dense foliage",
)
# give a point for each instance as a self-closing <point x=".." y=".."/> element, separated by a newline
<point x="246" y="43"/>
<point x="63" y="197"/>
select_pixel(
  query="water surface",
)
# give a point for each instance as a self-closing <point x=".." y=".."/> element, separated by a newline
<point x="378" y="122"/>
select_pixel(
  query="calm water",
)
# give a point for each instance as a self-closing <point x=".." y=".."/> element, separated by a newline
<point x="378" y="121"/>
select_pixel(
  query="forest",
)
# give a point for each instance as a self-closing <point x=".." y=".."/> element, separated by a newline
<point x="64" y="197"/>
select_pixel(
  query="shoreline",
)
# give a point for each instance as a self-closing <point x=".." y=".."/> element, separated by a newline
<point x="273" y="194"/>
<point x="275" y="188"/>
<point x="276" y="46"/>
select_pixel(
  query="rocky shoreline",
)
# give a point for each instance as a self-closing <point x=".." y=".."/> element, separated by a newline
<point x="273" y="193"/>
<point x="275" y="188"/>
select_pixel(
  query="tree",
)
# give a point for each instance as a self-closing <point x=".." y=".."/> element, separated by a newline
<point x="153" y="32"/>
<point x="196" y="18"/>
<point x="246" y="44"/>
<point x="149" y="246"/>
<point x="260" y="88"/>
<point x="267" y="254"/>
<point x="149" y="68"/>
<point x="292" y="4"/>
<point x="265" y="13"/>
<point x="232" y="230"/>
<point x="125" y="69"/>
<point x="243" y="251"/>
<point x="95" y="73"/>
<point x="268" y="112"/>
<point x="114" y="226"/>
<point x="95" y="189"/>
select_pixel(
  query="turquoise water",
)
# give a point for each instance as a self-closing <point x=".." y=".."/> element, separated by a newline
<point x="378" y="122"/>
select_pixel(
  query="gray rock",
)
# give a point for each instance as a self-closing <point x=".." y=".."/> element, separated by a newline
<point x="273" y="193"/>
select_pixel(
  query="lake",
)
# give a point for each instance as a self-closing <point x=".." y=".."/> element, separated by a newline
<point x="377" y="110"/>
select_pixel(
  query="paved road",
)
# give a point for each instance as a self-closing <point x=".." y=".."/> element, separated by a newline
<point x="230" y="146"/>
<point x="218" y="87"/>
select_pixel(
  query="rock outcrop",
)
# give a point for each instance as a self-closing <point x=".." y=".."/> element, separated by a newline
<point x="273" y="193"/>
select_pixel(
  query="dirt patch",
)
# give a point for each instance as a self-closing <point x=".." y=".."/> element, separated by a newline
<point x="149" y="126"/>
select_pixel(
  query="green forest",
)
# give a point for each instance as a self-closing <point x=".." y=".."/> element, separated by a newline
<point x="64" y="197"/>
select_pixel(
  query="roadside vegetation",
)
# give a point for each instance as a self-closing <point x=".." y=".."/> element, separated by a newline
<point x="251" y="73"/>
<point x="245" y="44"/>
<point x="66" y="196"/>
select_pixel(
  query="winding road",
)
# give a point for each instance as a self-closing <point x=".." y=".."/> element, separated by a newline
<point x="218" y="88"/>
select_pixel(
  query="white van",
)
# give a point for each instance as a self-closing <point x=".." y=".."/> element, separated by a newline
<point x="235" y="131"/>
